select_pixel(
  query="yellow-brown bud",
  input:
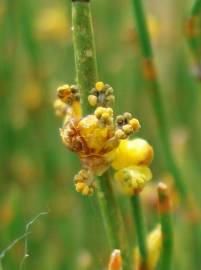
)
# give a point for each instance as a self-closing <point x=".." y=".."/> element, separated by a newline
<point x="120" y="134"/>
<point x="99" y="86"/>
<point x="63" y="92"/>
<point x="135" y="124"/>
<point x="115" y="262"/>
<point x="92" y="100"/>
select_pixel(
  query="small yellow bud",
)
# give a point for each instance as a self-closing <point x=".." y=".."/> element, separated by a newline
<point x="92" y="100"/>
<point x="99" y="86"/>
<point x="135" y="124"/>
<point x="120" y="119"/>
<point x="119" y="133"/>
<point x="86" y="190"/>
<point x="98" y="112"/>
<point x="110" y="99"/>
<point x="110" y="111"/>
<point x="127" y="115"/>
<point x="79" y="186"/>
<point x="63" y="92"/>
<point x="127" y="129"/>
<point x="105" y="116"/>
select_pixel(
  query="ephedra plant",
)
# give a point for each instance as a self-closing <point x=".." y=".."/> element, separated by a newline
<point x="111" y="160"/>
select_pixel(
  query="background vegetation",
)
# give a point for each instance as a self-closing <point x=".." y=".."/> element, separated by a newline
<point x="36" y="171"/>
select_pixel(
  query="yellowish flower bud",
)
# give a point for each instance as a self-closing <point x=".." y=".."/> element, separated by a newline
<point x="99" y="86"/>
<point x="98" y="112"/>
<point x="105" y="116"/>
<point x="132" y="152"/>
<point x="132" y="180"/>
<point x="92" y="100"/>
<point x="115" y="262"/>
<point x="120" y="134"/>
<point x="109" y="111"/>
<point x="63" y="92"/>
<point x="86" y="190"/>
<point x="127" y="129"/>
<point x="127" y="115"/>
<point x="84" y="182"/>
<point x="135" y="124"/>
<point x="79" y="186"/>
<point x="154" y="243"/>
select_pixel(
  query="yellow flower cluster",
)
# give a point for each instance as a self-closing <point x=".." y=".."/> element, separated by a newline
<point x="101" y="94"/>
<point x="101" y="139"/>
<point x="131" y="160"/>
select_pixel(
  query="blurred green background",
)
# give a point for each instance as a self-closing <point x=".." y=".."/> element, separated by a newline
<point x="36" y="171"/>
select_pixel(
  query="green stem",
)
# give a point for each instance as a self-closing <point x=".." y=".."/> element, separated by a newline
<point x="84" y="49"/>
<point x="106" y="201"/>
<point x="87" y="76"/>
<point x="196" y="8"/>
<point x="140" y="230"/>
<point x="166" y="228"/>
<point x="151" y="77"/>
<point x="192" y="33"/>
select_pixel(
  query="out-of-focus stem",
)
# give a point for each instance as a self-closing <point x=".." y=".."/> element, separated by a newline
<point x="196" y="8"/>
<point x="152" y="80"/>
<point x="164" y="207"/>
<point x="87" y="76"/>
<point x="140" y="230"/>
<point x="192" y="30"/>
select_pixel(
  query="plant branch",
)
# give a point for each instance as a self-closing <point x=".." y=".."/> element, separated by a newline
<point x="166" y="227"/>
<point x="152" y="80"/>
<point x="87" y="76"/>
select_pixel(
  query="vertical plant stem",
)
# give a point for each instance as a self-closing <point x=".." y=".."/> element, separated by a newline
<point x="166" y="227"/>
<point x="193" y="30"/>
<point x="104" y="199"/>
<point x="87" y="76"/>
<point x="152" y="80"/>
<point x="196" y="8"/>
<point x="140" y="230"/>
<point x="84" y="49"/>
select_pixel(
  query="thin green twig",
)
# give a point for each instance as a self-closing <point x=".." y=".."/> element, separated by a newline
<point x="192" y="31"/>
<point x="27" y="232"/>
<point x="84" y="49"/>
<point x="196" y="8"/>
<point x="166" y="227"/>
<point x="152" y="80"/>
